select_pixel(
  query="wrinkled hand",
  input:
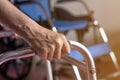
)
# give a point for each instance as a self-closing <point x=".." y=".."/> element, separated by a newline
<point x="48" y="44"/>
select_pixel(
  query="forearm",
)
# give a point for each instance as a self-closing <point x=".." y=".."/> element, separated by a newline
<point x="14" y="19"/>
<point x="46" y="43"/>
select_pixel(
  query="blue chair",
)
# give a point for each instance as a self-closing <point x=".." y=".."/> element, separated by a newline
<point x="42" y="10"/>
<point x="98" y="49"/>
<point x="34" y="11"/>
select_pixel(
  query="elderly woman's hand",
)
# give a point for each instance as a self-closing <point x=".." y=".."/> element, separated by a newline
<point x="48" y="44"/>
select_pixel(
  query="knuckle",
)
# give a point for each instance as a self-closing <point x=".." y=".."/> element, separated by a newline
<point x="58" y="42"/>
<point x="43" y="50"/>
<point x="62" y="35"/>
<point x="51" y="47"/>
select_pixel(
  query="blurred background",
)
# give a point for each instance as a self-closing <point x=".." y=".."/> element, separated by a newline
<point x="106" y="12"/>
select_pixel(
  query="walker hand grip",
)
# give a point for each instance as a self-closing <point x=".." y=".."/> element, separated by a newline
<point x="6" y="34"/>
<point x="17" y="54"/>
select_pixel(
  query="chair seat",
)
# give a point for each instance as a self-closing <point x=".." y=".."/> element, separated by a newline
<point x="63" y="25"/>
<point x="96" y="51"/>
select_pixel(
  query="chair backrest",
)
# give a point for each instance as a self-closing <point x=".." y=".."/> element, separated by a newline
<point x="33" y="8"/>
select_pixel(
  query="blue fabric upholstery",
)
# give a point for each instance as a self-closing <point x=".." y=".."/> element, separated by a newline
<point x="95" y="50"/>
<point x="70" y="25"/>
<point x="22" y="0"/>
<point x="35" y="12"/>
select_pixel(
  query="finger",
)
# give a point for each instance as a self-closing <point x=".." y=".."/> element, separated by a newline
<point x="58" y="49"/>
<point x="15" y="36"/>
<point x="51" y="52"/>
<point x="66" y="46"/>
<point x="43" y="53"/>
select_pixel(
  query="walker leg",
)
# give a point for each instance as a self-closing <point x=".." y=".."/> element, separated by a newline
<point x="49" y="70"/>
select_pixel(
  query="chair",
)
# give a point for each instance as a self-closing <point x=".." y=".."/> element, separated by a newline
<point x="97" y="49"/>
<point x="25" y="7"/>
<point x="65" y="10"/>
<point x="45" y="18"/>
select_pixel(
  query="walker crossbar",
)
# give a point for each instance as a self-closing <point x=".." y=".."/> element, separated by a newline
<point x="17" y="54"/>
<point x="6" y="34"/>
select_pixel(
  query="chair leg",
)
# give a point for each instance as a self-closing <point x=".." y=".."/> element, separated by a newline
<point x="76" y="71"/>
<point x="80" y="35"/>
<point x="33" y="66"/>
<point x="49" y="70"/>
<point x="116" y="65"/>
<point x="115" y="62"/>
